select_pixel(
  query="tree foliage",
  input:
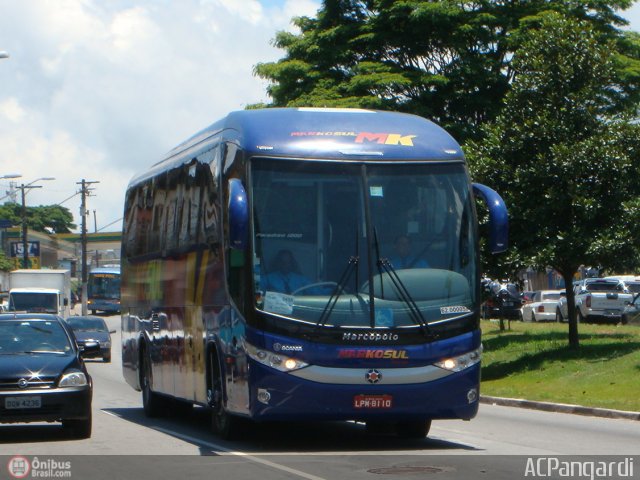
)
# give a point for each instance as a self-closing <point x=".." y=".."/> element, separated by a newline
<point x="44" y="218"/>
<point x="450" y="61"/>
<point x="566" y="164"/>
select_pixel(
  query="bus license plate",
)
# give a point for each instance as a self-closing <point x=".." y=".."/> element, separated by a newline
<point x="12" y="403"/>
<point x="373" y="401"/>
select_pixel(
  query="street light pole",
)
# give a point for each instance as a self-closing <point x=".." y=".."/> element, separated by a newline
<point x="25" y="242"/>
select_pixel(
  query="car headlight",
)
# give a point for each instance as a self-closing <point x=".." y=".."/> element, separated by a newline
<point x="274" y="360"/>
<point x="461" y="362"/>
<point x="74" y="378"/>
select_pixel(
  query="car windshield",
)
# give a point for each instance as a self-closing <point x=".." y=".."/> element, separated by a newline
<point x="633" y="287"/>
<point x="87" y="324"/>
<point x="604" y="287"/>
<point x="332" y="239"/>
<point x="551" y="296"/>
<point x="33" y="336"/>
<point x="34" y="302"/>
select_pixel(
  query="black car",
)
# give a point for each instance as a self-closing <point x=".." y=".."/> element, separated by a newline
<point x="42" y="375"/>
<point x="504" y="301"/>
<point x="91" y="331"/>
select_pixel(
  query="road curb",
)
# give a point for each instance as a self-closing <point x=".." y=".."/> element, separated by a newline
<point x="560" y="408"/>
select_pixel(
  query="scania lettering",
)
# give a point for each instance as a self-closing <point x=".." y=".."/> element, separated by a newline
<point x="213" y="316"/>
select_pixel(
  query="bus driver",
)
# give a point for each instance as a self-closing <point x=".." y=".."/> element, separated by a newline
<point x="285" y="276"/>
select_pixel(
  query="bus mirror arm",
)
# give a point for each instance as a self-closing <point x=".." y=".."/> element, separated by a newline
<point x="498" y="218"/>
<point x="238" y="215"/>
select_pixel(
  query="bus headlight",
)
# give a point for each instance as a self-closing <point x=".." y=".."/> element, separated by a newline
<point x="461" y="362"/>
<point x="274" y="360"/>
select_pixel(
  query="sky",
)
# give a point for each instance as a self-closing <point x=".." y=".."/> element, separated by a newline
<point x="100" y="91"/>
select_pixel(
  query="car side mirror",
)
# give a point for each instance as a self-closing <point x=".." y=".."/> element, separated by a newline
<point x="112" y="332"/>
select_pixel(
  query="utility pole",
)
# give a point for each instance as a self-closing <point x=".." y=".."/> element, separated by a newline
<point x="84" y="192"/>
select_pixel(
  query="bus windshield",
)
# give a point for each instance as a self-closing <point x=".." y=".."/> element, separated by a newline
<point x="332" y="240"/>
<point x="104" y="285"/>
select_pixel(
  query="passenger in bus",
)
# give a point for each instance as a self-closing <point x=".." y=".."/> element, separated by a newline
<point x="285" y="275"/>
<point x="403" y="258"/>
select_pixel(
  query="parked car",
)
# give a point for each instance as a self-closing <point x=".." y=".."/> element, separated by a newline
<point x="43" y="376"/>
<point x="543" y="307"/>
<point x="503" y="301"/>
<point x="596" y="299"/>
<point x="92" y="330"/>
<point x="631" y="313"/>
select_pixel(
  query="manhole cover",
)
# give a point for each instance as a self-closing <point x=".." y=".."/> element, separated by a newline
<point x="408" y="470"/>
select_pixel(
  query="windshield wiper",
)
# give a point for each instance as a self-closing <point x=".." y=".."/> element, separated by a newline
<point x="352" y="265"/>
<point x="414" y="311"/>
<point x="57" y="352"/>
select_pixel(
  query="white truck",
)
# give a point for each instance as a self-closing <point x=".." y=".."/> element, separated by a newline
<point x="40" y="291"/>
<point x="597" y="299"/>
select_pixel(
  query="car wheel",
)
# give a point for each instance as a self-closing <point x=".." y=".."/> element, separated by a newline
<point x="107" y="358"/>
<point x="93" y="312"/>
<point x="418" y="429"/>
<point x="77" y="428"/>
<point x="559" y="316"/>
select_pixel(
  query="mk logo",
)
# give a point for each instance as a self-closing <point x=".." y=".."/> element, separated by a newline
<point x="386" y="138"/>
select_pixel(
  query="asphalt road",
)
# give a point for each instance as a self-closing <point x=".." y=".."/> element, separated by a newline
<point x="125" y="444"/>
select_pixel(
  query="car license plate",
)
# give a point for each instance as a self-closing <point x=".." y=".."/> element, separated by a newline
<point x="12" y="403"/>
<point x="373" y="401"/>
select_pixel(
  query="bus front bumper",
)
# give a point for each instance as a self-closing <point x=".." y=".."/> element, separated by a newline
<point x="282" y="396"/>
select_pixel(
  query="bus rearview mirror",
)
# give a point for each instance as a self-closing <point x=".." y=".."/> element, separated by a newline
<point x="498" y="218"/>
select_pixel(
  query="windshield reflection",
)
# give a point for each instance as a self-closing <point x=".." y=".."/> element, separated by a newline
<point x="323" y="233"/>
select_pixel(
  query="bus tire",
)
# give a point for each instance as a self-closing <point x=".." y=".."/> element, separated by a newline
<point x="418" y="429"/>
<point x="154" y="405"/>
<point x="224" y="424"/>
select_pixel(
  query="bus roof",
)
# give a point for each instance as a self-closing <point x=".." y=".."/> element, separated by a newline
<point x="325" y="133"/>
<point x="106" y="269"/>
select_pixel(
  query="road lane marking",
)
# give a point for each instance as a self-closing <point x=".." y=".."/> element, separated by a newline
<point x="216" y="447"/>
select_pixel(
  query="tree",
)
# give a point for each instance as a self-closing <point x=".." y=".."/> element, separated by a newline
<point x="448" y="60"/>
<point x="564" y="161"/>
<point x="44" y="218"/>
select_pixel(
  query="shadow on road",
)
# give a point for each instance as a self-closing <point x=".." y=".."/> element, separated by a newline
<point x="284" y="437"/>
<point x="32" y="433"/>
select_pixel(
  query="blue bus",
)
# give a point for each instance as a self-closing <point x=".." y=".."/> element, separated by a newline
<point x="103" y="289"/>
<point x="260" y="279"/>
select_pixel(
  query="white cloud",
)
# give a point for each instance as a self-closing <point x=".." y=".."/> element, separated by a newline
<point x="11" y="110"/>
<point x="100" y="90"/>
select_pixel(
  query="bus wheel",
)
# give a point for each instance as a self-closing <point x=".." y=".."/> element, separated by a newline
<point x="419" y="429"/>
<point x="154" y="405"/>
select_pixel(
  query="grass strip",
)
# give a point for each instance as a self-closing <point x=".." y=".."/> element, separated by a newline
<point x="533" y="361"/>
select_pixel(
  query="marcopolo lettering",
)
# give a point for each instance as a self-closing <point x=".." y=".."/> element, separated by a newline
<point x="370" y="337"/>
